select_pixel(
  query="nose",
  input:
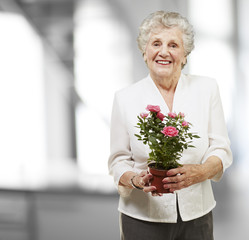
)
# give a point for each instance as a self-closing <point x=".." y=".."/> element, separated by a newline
<point x="164" y="51"/>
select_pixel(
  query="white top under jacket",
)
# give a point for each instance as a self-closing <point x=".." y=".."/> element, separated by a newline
<point x="199" y="99"/>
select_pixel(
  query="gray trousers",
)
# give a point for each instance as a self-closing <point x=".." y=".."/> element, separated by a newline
<point x="197" y="229"/>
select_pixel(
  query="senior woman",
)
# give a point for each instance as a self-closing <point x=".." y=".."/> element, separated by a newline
<point x="165" y="40"/>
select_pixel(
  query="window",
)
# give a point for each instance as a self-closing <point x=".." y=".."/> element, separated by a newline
<point x="214" y="55"/>
<point x="22" y="127"/>
<point x="103" y="65"/>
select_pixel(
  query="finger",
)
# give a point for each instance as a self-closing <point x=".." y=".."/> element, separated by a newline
<point x="175" y="171"/>
<point x="171" y="186"/>
<point x="142" y="174"/>
<point x="147" y="177"/>
<point x="175" y="186"/>
<point x="155" y="194"/>
<point x="143" y="179"/>
<point x="172" y="190"/>
<point x="175" y="179"/>
<point x="149" y="189"/>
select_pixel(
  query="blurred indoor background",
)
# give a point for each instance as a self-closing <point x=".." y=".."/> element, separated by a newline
<point x="60" y="63"/>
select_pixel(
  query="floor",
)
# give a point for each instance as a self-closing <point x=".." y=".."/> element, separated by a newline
<point x="232" y="211"/>
<point x="230" y="215"/>
<point x="85" y="217"/>
<point x="95" y="216"/>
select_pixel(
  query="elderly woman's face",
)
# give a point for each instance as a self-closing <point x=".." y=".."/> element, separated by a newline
<point x="164" y="53"/>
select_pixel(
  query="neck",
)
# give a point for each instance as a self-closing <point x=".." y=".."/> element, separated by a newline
<point x="167" y="84"/>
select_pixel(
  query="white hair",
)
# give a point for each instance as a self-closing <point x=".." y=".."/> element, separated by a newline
<point x="167" y="20"/>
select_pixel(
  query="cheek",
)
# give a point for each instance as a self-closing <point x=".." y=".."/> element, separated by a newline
<point x="150" y="55"/>
<point x="180" y="57"/>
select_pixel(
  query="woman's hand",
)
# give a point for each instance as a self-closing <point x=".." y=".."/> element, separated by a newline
<point x="143" y="180"/>
<point x="183" y="177"/>
<point x="189" y="174"/>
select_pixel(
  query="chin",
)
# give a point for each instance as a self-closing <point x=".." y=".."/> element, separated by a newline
<point x="163" y="74"/>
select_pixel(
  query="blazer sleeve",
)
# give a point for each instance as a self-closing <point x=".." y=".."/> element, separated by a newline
<point x="120" y="159"/>
<point x="219" y="143"/>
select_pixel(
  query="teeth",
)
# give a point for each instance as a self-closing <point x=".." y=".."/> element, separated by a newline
<point x="163" y="62"/>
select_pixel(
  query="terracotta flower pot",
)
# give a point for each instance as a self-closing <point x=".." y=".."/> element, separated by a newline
<point x="158" y="176"/>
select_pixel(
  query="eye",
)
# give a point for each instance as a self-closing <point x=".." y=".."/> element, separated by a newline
<point x="156" y="44"/>
<point x="173" y="45"/>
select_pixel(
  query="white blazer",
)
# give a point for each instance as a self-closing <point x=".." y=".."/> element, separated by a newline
<point x="199" y="99"/>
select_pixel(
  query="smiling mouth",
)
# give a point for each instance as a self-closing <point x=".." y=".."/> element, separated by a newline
<point x="163" y="62"/>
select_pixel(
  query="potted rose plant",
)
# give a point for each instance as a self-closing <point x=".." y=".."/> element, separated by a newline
<point x="167" y="137"/>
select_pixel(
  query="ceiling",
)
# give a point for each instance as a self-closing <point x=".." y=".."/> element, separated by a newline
<point x="53" y="20"/>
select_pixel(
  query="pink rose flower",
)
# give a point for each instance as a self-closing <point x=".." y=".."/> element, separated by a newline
<point x="181" y="114"/>
<point x="184" y="124"/>
<point x="144" y="115"/>
<point x="153" y="108"/>
<point x="172" y="115"/>
<point x="170" y="131"/>
<point x="160" y="116"/>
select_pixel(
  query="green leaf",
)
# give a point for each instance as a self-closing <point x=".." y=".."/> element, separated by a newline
<point x="152" y="140"/>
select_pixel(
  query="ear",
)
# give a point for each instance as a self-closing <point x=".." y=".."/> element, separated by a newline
<point x="184" y="60"/>
<point x="145" y="57"/>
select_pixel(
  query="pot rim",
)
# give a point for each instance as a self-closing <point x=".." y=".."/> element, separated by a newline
<point x="157" y="172"/>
